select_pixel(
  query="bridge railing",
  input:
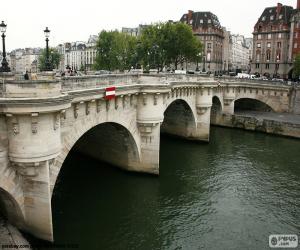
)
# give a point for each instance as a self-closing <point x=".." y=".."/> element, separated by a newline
<point x="254" y="81"/>
<point x="98" y="81"/>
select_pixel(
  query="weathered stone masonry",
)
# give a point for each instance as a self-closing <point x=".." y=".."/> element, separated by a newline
<point x="41" y="121"/>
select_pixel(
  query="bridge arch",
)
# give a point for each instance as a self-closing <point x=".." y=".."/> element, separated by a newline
<point x="216" y="110"/>
<point x="251" y="104"/>
<point x="10" y="209"/>
<point x="179" y="119"/>
<point x="110" y="142"/>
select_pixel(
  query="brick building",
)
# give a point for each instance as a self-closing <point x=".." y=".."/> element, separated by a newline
<point x="207" y="28"/>
<point x="276" y="41"/>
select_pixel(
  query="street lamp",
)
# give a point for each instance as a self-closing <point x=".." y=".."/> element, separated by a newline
<point x="47" y="61"/>
<point x="198" y="56"/>
<point x="4" y="67"/>
<point x="204" y="58"/>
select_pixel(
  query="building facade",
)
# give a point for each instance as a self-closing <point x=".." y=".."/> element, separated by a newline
<point x="276" y="41"/>
<point x="78" y="55"/>
<point x="207" y="28"/>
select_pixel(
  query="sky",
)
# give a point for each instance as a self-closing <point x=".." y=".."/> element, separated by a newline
<point x="76" y="20"/>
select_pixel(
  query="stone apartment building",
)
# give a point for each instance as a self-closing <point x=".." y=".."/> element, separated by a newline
<point x="276" y="41"/>
<point x="78" y="55"/>
<point x="207" y="28"/>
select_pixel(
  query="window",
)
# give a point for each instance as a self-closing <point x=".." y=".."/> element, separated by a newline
<point x="279" y="45"/>
<point x="209" y="45"/>
<point x="268" y="45"/>
<point x="191" y="21"/>
<point x="201" y="20"/>
<point x="263" y="18"/>
<point x="258" y="45"/>
<point x="295" y="45"/>
<point x="296" y="34"/>
<point x="278" y="56"/>
<point x="257" y="65"/>
<point x="277" y="66"/>
<point x="209" y="20"/>
<point x="258" y="57"/>
<point x="271" y="18"/>
<point x="280" y="16"/>
<point x="267" y="66"/>
<point x="269" y="36"/>
<point x="259" y="36"/>
<point x="268" y="55"/>
<point x="279" y="35"/>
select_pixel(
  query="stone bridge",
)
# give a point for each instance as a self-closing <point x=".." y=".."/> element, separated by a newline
<point x="42" y="120"/>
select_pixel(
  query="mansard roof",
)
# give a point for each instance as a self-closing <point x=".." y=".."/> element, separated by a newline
<point x="280" y="14"/>
<point x="202" y="19"/>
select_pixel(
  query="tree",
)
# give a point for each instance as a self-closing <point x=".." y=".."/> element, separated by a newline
<point x="54" y="59"/>
<point x="169" y="43"/>
<point x="296" y="70"/>
<point x="115" y="51"/>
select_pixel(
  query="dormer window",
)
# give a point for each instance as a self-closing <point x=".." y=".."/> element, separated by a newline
<point x="209" y="20"/>
<point x="263" y="18"/>
<point x="271" y="18"/>
<point x="270" y="11"/>
<point x="201" y="20"/>
<point x="280" y="16"/>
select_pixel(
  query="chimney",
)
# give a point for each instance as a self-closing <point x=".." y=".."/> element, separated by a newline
<point x="190" y="15"/>
<point x="298" y="4"/>
<point x="279" y="7"/>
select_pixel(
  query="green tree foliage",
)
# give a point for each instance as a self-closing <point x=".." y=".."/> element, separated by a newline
<point x="54" y="58"/>
<point x="160" y="45"/>
<point x="170" y="43"/>
<point x="296" y="71"/>
<point x="116" y="51"/>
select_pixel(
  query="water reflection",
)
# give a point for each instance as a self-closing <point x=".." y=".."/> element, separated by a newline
<point x="228" y="194"/>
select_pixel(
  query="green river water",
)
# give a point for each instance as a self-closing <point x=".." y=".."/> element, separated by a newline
<point x="231" y="193"/>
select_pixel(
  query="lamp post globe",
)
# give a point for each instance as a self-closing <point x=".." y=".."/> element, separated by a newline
<point x="47" y="60"/>
<point x="4" y="64"/>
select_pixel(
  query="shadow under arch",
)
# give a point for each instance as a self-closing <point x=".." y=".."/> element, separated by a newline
<point x="179" y="120"/>
<point x="10" y="209"/>
<point x="249" y="104"/>
<point x="107" y="142"/>
<point x="216" y="110"/>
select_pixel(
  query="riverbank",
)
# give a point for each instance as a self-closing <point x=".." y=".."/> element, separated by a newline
<point x="271" y="123"/>
<point x="10" y="237"/>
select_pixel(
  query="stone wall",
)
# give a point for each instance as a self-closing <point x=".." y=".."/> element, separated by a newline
<point x="255" y="124"/>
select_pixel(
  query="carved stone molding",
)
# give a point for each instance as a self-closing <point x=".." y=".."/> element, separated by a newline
<point x="87" y="108"/>
<point x="228" y="101"/>
<point x="76" y="108"/>
<point x="56" y="121"/>
<point x="144" y="99"/>
<point x="14" y="123"/>
<point x="34" y="123"/>
<point x="26" y="169"/>
<point x="146" y="130"/>
<point x="98" y="106"/>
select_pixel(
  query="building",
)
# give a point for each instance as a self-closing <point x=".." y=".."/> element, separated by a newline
<point x="240" y="54"/>
<point x="207" y="28"/>
<point x="21" y="60"/>
<point x="276" y="41"/>
<point x="78" y="55"/>
<point x="134" y="31"/>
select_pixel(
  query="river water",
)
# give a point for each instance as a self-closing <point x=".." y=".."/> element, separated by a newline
<point x="229" y="194"/>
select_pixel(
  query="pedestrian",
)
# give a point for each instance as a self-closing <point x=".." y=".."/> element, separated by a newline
<point x="26" y="76"/>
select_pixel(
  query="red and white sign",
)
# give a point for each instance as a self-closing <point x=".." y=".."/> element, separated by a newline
<point x="110" y="93"/>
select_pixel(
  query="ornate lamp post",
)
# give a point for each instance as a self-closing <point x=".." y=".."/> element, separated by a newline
<point x="4" y="67"/>
<point x="198" y="56"/>
<point x="204" y="58"/>
<point x="47" y="61"/>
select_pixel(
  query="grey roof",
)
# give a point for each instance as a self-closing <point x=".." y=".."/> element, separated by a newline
<point x="202" y="19"/>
